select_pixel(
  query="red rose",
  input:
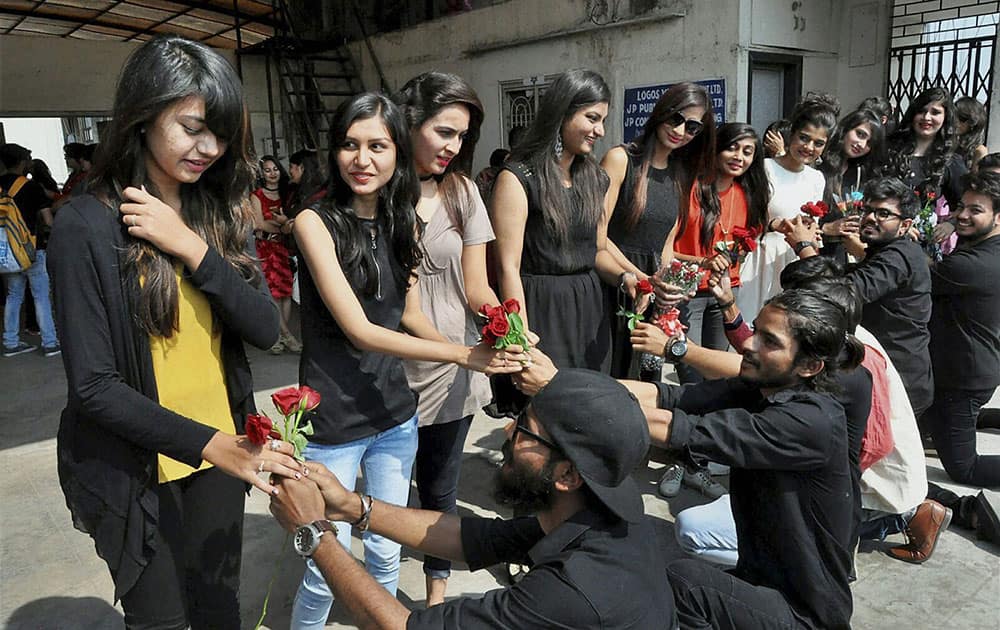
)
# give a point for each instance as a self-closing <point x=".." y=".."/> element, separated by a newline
<point x="676" y="265"/>
<point x="488" y="337"/>
<point x="670" y="322"/>
<point x="512" y="306"/>
<point x="499" y="327"/>
<point x="311" y="396"/>
<point x="931" y="196"/>
<point x="287" y="400"/>
<point x="750" y="244"/>
<point x="644" y="287"/>
<point x="487" y="311"/>
<point x="259" y="428"/>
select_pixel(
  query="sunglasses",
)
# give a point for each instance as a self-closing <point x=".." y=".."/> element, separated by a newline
<point x="520" y="426"/>
<point x="692" y="127"/>
<point x="881" y="214"/>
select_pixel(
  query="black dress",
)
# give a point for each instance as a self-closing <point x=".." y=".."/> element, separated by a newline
<point x="562" y="293"/>
<point x="642" y="244"/>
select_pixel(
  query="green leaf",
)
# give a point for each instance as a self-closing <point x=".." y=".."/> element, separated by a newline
<point x="307" y="428"/>
<point x="299" y="442"/>
<point x="516" y="323"/>
<point x="632" y="321"/>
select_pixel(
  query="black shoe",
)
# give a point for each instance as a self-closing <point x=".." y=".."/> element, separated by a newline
<point x="20" y="348"/>
<point x="51" y="351"/>
<point x="987" y="522"/>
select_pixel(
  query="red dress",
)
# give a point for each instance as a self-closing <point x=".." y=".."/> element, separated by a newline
<point x="273" y="254"/>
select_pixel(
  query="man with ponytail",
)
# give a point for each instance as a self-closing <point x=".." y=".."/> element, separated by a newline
<point x="784" y="435"/>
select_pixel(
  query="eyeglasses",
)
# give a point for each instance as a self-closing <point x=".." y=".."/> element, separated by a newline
<point x="520" y="427"/>
<point x="692" y="127"/>
<point x="881" y="214"/>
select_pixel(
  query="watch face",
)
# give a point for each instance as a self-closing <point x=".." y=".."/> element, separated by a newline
<point x="678" y="348"/>
<point x="304" y="540"/>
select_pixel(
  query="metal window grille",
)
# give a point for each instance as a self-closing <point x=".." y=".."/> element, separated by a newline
<point x="519" y="101"/>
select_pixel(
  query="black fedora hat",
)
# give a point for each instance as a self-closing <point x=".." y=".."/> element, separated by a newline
<point x="600" y="427"/>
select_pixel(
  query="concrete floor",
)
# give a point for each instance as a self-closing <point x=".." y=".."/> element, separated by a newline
<point x="51" y="578"/>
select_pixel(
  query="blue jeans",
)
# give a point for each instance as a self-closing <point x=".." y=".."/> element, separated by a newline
<point x="387" y="460"/>
<point x="709" y="532"/>
<point x="38" y="276"/>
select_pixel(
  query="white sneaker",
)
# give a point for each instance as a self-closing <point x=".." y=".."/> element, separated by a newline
<point x="700" y="480"/>
<point x="670" y="482"/>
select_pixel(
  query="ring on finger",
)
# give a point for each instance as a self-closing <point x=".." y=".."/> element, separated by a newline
<point x="260" y="468"/>
<point x="273" y="444"/>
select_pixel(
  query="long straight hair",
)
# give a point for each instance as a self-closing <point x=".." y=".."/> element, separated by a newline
<point x="421" y="99"/>
<point x="690" y="162"/>
<point x="974" y="112"/>
<point x="572" y="91"/>
<point x="835" y="161"/>
<point x="215" y="206"/>
<point x="396" y="200"/>
<point x="903" y="143"/>
<point x="753" y="181"/>
<point x="311" y="182"/>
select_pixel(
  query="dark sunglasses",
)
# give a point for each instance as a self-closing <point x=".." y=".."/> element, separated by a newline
<point x="881" y="214"/>
<point x="692" y="127"/>
<point x="520" y="427"/>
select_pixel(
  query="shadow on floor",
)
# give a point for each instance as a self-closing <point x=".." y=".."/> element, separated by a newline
<point x="65" y="613"/>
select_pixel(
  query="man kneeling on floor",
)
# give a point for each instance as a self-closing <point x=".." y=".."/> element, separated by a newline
<point x="595" y="560"/>
<point x="785" y="439"/>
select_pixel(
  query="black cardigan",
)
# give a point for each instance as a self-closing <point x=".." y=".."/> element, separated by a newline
<point x="112" y="426"/>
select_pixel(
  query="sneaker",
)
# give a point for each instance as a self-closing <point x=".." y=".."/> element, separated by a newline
<point x="292" y="344"/>
<point x="700" y="480"/>
<point x="717" y="470"/>
<point x="51" y="351"/>
<point x="277" y="348"/>
<point x="20" y="348"/>
<point x="670" y="482"/>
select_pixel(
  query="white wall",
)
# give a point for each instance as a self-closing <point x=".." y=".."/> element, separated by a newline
<point x="44" y="137"/>
<point x="682" y="40"/>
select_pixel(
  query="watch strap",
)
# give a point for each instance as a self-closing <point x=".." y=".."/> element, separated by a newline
<point x="802" y="245"/>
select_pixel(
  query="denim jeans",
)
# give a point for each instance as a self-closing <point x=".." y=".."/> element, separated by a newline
<point x="386" y="459"/>
<point x="439" y="462"/>
<point x="709" y="532"/>
<point x="38" y="276"/>
<point x="702" y="316"/>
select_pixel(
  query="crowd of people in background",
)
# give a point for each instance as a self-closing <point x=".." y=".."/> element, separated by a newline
<point x="864" y="314"/>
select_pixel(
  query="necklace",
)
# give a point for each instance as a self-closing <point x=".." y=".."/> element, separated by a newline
<point x="271" y="189"/>
<point x="722" y="217"/>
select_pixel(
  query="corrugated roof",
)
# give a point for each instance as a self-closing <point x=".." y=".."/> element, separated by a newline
<point x="210" y="21"/>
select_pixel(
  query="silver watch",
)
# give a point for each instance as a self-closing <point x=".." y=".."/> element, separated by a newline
<point x="306" y="540"/>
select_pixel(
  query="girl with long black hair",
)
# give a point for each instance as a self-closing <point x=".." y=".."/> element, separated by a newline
<point x="547" y="208"/>
<point x="856" y="154"/>
<point x="647" y="200"/>
<point x="158" y="288"/>
<point x="359" y="290"/>
<point x="307" y="183"/>
<point x="444" y="115"/>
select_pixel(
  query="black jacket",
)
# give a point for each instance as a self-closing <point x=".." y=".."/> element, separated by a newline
<point x="112" y="426"/>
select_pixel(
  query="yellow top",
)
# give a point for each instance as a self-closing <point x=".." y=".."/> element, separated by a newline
<point x="189" y="374"/>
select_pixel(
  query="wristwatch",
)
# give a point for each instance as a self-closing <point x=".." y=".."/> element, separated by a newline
<point x="802" y="245"/>
<point x="306" y="539"/>
<point x="675" y="351"/>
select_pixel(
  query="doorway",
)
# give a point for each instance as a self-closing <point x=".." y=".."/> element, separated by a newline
<point x="775" y="86"/>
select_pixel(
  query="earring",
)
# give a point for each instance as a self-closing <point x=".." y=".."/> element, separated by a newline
<point x="558" y="147"/>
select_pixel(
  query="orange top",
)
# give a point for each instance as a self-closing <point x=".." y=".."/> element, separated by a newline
<point x="734" y="214"/>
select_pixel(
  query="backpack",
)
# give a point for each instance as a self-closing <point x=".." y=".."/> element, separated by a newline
<point x="17" y="243"/>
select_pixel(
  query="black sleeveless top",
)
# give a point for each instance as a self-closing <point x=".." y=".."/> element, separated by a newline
<point x="657" y="219"/>
<point x="363" y="392"/>
<point x="546" y="252"/>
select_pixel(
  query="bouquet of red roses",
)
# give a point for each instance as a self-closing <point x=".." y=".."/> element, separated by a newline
<point x="744" y="241"/>
<point x="815" y="209"/>
<point x="504" y="326"/>
<point x="684" y="275"/>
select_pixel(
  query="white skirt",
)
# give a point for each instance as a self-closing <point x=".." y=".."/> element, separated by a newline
<point x="760" y="275"/>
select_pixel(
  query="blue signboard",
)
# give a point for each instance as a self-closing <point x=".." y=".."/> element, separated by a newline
<point x="639" y="103"/>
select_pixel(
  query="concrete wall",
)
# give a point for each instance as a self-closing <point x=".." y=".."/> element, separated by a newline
<point x="843" y="45"/>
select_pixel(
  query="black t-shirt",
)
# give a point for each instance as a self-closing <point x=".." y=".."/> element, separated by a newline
<point x="363" y="392"/>
<point x="894" y="283"/>
<point x="790" y="486"/>
<point x="30" y="200"/>
<point x="965" y="324"/>
<point x="592" y="571"/>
